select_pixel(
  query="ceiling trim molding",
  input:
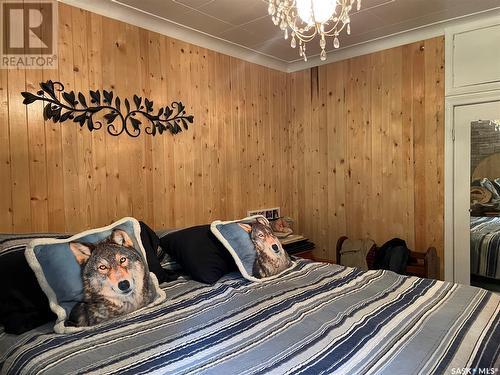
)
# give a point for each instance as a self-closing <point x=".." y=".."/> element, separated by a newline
<point x="162" y="26"/>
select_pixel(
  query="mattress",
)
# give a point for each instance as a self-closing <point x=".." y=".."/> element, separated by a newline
<point x="484" y="246"/>
<point x="316" y="318"/>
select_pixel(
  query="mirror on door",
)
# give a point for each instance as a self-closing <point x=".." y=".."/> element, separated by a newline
<point x="485" y="204"/>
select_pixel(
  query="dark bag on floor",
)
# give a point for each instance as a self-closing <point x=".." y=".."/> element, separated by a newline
<point x="392" y="256"/>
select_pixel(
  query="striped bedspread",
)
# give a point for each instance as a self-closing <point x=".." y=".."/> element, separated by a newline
<point x="317" y="318"/>
<point x="485" y="246"/>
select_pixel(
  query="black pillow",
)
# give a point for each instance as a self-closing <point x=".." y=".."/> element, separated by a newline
<point x="151" y="242"/>
<point x="199" y="253"/>
<point x="23" y="304"/>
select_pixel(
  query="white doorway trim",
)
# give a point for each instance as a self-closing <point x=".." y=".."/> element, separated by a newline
<point x="450" y="104"/>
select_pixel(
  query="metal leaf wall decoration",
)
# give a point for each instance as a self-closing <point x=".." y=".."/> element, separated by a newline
<point x="81" y="110"/>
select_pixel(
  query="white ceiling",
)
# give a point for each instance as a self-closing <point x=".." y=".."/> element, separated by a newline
<point x="247" y="24"/>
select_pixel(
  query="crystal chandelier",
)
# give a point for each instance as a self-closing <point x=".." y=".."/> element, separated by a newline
<point x="308" y="18"/>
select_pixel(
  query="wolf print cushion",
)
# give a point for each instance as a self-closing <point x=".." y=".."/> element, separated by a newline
<point x="94" y="276"/>
<point x="257" y="252"/>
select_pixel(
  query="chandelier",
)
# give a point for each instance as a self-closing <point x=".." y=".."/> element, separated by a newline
<point x="308" y="18"/>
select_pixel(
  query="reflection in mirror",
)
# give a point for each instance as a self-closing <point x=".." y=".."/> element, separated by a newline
<point x="485" y="168"/>
<point x="485" y="204"/>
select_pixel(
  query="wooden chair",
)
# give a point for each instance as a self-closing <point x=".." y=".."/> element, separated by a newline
<point x="419" y="264"/>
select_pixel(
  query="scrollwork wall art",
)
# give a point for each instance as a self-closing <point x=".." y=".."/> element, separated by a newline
<point x="81" y="110"/>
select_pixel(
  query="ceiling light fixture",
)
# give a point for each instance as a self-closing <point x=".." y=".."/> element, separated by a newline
<point x="308" y="18"/>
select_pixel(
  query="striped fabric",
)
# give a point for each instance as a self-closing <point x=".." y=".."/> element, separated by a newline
<point x="485" y="246"/>
<point x="17" y="242"/>
<point x="316" y="318"/>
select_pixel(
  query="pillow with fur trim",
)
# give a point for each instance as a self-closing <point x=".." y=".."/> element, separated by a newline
<point x="95" y="276"/>
<point x="257" y="252"/>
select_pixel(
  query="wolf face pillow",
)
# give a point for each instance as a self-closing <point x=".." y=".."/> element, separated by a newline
<point x="257" y="252"/>
<point x="94" y="276"/>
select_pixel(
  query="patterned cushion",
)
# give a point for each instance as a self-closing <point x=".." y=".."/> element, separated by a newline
<point x="94" y="276"/>
<point x="257" y="252"/>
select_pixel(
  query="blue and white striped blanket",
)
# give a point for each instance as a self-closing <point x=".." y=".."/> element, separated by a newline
<point x="485" y="246"/>
<point x="317" y="318"/>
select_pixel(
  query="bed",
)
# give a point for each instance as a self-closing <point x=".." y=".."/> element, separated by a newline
<point x="316" y="318"/>
<point x="484" y="246"/>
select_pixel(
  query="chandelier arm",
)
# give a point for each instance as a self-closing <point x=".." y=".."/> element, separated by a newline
<point x="304" y="37"/>
<point x="304" y="40"/>
<point x="333" y="29"/>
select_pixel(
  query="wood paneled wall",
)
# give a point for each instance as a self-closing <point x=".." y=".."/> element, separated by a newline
<point x="367" y="148"/>
<point x="353" y="147"/>
<point x="61" y="178"/>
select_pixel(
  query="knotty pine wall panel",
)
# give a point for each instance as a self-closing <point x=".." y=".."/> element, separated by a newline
<point x="367" y="148"/>
<point x="58" y="177"/>
<point x="353" y="147"/>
